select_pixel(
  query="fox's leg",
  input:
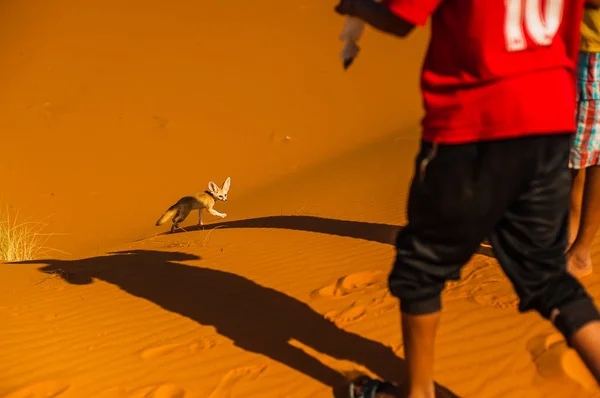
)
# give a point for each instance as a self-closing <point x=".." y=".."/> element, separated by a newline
<point x="182" y="214"/>
<point x="180" y="217"/>
<point x="216" y="213"/>
<point x="200" y="217"/>
<point x="175" y="223"/>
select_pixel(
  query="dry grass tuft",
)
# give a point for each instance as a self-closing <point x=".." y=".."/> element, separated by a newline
<point x="22" y="240"/>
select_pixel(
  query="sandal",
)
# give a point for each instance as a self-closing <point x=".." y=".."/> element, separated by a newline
<point x="369" y="387"/>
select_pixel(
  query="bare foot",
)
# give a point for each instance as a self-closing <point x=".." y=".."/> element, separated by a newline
<point x="579" y="262"/>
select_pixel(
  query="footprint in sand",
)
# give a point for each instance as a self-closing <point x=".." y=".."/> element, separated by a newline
<point x="353" y="283"/>
<point x="494" y="294"/>
<point x="169" y="348"/>
<point x="227" y="384"/>
<point x="483" y="282"/>
<point x="347" y="316"/>
<point x="383" y="304"/>
<point x="44" y="389"/>
<point x="476" y="271"/>
<point x="554" y="360"/>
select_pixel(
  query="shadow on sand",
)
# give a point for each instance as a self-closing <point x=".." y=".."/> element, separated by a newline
<point x="373" y="232"/>
<point x="258" y="319"/>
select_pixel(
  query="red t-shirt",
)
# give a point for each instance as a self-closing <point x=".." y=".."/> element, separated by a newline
<point x="496" y="69"/>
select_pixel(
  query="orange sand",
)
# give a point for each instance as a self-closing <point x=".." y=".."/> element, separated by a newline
<point x="113" y="110"/>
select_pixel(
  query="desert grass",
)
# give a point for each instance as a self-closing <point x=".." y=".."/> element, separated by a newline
<point x="22" y="240"/>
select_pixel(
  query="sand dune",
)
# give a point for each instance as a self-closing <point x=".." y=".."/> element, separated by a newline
<point x="284" y="299"/>
<point x="113" y="110"/>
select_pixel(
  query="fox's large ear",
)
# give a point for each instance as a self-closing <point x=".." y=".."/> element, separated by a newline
<point x="226" y="184"/>
<point x="212" y="187"/>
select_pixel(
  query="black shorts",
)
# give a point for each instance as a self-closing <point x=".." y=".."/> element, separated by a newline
<point x="514" y="191"/>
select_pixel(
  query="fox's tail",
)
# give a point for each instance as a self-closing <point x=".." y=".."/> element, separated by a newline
<point x="168" y="214"/>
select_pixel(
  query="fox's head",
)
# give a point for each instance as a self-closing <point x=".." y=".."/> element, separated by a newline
<point x="220" y="193"/>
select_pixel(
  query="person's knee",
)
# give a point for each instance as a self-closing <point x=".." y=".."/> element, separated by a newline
<point x="418" y="290"/>
<point x="565" y="302"/>
<point x="424" y="264"/>
<point x="571" y="317"/>
<point x="416" y="299"/>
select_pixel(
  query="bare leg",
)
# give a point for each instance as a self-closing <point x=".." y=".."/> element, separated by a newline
<point x="579" y="260"/>
<point x="578" y="180"/>
<point x="418" y="333"/>
<point x="585" y="342"/>
<point x="200" y="217"/>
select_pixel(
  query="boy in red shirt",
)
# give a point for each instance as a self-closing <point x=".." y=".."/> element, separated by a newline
<point x="498" y="86"/>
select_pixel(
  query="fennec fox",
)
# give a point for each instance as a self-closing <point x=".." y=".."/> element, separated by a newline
<point x="206" y="200"/>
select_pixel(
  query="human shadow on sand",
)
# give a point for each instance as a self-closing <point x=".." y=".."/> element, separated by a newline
<point x="373" y="232"/>
<point x="256" y="318"/>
